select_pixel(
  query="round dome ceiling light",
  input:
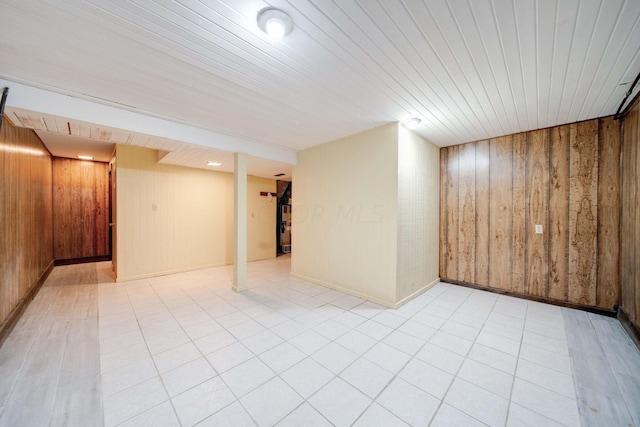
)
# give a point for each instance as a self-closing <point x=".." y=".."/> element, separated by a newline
<point x="413" y="122"/>
<point x="274" y="22"/>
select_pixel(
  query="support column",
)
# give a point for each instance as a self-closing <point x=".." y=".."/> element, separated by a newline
<point x="240" y="222"/>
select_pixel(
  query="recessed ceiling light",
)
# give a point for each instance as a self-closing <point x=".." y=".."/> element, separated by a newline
<point x="413" y="122"/>
<point x="214" y="164"/>
<point x="85" y="157"/>
<point x="274" y="22"/>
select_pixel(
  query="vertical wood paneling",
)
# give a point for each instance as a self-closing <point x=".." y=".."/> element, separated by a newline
<point x="559" y="214"/>
<point x="608" y="225"/>
<point x="635" y="135"/>
<point x="519" y="212"/>
<point x="563" y="178"/>
<point x="633" y="203"/>
<point x="500" y="208"/>
<point x="466" y="205"/>
<point x="444" y="155"/>
<point x="583" y="214"/>
<point x="482" y="213"/>
<point x="537" y="212"/>
<point x="453" y="187"/>
<point x="25" y="214"/>
<point x="630" y="227"/>
<point x="80" y="201"/>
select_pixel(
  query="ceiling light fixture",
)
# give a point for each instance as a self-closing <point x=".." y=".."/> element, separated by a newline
<point x="214" y="163"/>
<point x="412" y="123"/>
<point x="274" y="22"/>
<point x="85" y="157"/>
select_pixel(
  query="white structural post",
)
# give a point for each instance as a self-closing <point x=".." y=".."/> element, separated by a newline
<point x="240" y="222"/>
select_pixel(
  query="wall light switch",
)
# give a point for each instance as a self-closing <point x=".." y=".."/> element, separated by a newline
<point x="538" y="229"/>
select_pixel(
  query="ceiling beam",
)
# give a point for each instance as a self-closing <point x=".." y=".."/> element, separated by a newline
<point x="73" y="107"/>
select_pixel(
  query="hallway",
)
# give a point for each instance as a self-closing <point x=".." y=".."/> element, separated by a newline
<point x="184" y="350"/>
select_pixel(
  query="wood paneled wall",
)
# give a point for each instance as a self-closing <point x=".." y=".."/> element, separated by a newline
<point x="565" y="178"/>
<point x="630" y="217"/>
<point x="25" y="216"/>
<point x="80" y="208"/>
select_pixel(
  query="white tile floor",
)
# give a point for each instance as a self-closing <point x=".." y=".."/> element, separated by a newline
<point x="185" y="350"/>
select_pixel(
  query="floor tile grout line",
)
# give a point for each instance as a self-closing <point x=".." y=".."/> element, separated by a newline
<point x="277" y="375"/>
<point x="465" y="358"/>
<point x="219" y="374"/>
<point x="515" y="371"/>
<point x="239" y="306"/>
<point x="155" y="366"/>
<point x="191" y="341"/>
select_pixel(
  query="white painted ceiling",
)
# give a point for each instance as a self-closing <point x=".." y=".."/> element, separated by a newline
<point x="63" y="145"/>
<point x="470" y="69"/>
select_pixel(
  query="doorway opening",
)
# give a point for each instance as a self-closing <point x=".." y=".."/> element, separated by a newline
<point x="283" y="218"/>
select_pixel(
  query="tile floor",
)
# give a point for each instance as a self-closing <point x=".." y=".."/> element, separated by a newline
<point x="185" y="350"/>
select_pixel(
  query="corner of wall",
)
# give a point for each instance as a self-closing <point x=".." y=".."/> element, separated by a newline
<point x="418" y="215"/>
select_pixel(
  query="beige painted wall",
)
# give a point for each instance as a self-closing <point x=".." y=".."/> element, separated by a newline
<point x="344" y="214"/>
<point x="418" y="214"/>
<point x="173" y="218"/>
<point x="261" y="219"/>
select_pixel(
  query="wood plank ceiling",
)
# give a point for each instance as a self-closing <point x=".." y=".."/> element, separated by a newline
<point x="470" y="69"/>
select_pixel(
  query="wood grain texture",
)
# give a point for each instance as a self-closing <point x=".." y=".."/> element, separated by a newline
<point x="537" y="212"/>
<point x="608" y="225"/>
<point x="500" y="212"/>
<point x="630" y="219"/>
<point x="559" y="214"/>
<point x="80" y="208"/>
<point x="444" y="152"/>
<point x="25" y="214"/>
<point x="635" y="135"/>
<point x="583" y="213"/>
<point x="466" y="213"/>
<point x="563" y="178"/>
<point x="482" y="213"/>
<point x="453" y="187"/>
<point x="519" y="212"/>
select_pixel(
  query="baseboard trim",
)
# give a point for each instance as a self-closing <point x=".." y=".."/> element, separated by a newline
<point x="604" y="312"/>
<point x="14" y="317"/>
<point x="83" y="260"/>
<point x="417" y="293"/>
<point x="365" y="296"/>
<point x="344" y="290"/>
<point x="168" y="272"/>
<point x="630" y="326"/>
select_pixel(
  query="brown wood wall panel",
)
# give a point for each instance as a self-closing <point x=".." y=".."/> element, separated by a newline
<point x="500" y="208"/>
<point x="559" y="214"/>
<point x="80" y="208"/>
<point x="453" y="212"/>
<point x="482" y="213"/>
<point x="519" y="212"/>
<point x="635" y="283"/>
<point x="630" y="218"/>
<point x="608" y="225"/>
<point x="563" y="178"/>
<point x="583" y="212"/>
<point x="25" y="214"/>
<point x="537" y="213"/>
<point x="443" y="212"/>
<point x="466" y="206"/>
